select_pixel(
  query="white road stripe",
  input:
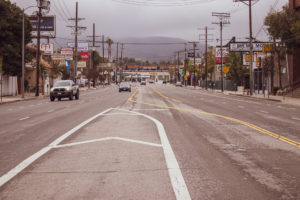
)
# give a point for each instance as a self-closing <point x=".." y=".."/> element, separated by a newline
<point x="106" y="139"/>
<point x="13" y="172"/>
<point x="179" y="187"/>
<point x="50" y="111"/>
<point x="241" y="106"/>
<point x="24" y="118"/>
<point x="295" y="118"/>
<point x="151" y="109"/>
<point x="264" y="111"/>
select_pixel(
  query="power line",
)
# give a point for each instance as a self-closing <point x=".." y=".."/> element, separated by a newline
<point x="164" y="3"/>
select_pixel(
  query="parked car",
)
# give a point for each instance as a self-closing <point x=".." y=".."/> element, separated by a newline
<point x="178" y="84"/>
<point x="143" y="82"/>
<point x="64" y="89"/>
<point x="151" y="81"/>
<point x="124" y="86"/>
<point x="164" y="82"/>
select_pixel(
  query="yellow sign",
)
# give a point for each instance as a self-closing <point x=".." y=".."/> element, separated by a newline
<point x="267" y="48"/>
<point x="186" y="76"/>
<point x="225" y="70"/>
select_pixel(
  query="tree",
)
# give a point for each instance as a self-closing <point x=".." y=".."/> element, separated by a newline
<point x="11" y="37"/>
<point x="237" y="71"/>
<point x="284" y="28"/>
<point x="109" y="43"/>
<point x="210" y="62"/>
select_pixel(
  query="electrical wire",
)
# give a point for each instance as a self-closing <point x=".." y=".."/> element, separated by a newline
<point x="164" y="3"/>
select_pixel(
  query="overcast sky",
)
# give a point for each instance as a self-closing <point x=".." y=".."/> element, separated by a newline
<point x="120" y="19"/>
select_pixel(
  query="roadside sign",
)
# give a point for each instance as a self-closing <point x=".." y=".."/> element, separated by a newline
<point x="47" y="48"/>
<point x="67" y="52"/>
<point x="191" y="54"/>
<point x="245" y="46"/>
<point x="267" y="48"/>
<point x="225" y="70"/>
<point x="68" y="64"/>
<point x="225" y="52"/>
<point x="58" y="57"/>
<point x="81" y="46"/>
<point x="182" y="73"/>
<point x="48" y="26"/>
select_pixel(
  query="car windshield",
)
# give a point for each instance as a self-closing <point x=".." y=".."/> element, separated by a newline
<point x="124" y="84"/>
<point x="62" y="83"/>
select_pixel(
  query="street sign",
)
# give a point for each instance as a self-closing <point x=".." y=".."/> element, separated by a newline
<point x="182" y="73"/>
<point x="225" y="70"/>
<point x="47" y="28"/>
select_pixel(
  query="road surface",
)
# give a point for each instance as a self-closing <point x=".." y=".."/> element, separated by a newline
<point x="157" y="142"/>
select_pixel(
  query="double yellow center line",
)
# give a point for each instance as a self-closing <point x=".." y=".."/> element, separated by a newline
<point x="252" y="126"/>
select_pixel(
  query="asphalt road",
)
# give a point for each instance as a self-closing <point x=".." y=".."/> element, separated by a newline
<point x="157" y="142"/>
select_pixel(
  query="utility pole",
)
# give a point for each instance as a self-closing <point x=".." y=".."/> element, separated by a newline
<point x="206" y="51"/>
<point x="178" y="75"/>
<point x="38" y="54"/>
<point x="223" y="17"/>
<point x="251" y="43"/>
<point x="122" y="48"/>
<point x="194" y="48"/>
<point x="117" y="63"/>
<point x="76" y="32"/>
<point x="93" y="51"/>
<point x="102" y="48"/>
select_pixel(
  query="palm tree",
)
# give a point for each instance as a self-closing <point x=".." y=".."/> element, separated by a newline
<point x="109" y="43"/>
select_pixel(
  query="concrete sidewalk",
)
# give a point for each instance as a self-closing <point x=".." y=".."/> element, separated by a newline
<point x="29" y="96"/>
<point x="281" y="99"/>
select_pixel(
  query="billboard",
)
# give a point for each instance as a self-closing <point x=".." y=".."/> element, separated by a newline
<point x="81" y="46"/>
<point x="47" y="48"/>
<point x="225" y="52"/>
<point x="84" y="56"/>
<point x="218" y="60"/>
<point x="47" y="28"/>
<point x="58" y="57"/>
<point x="67" y="52"/>
<point x="245" y="46"/>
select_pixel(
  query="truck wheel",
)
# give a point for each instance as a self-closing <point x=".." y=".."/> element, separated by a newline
<point x="77" y="95"/>
<point x="52" y="98"/>
<point x="71" y="96"/>
<point x="59" y="98"/>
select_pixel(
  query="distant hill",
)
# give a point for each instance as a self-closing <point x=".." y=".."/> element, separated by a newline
<point x="154" y="48"/>
<point x="147" y="48"/>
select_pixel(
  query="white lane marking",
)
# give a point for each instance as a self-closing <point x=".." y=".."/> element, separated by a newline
<point x="264" y="111"/>
<point x="24" y="118"/>
<point x="150" y="109"/>
<point x="50" y="111"/>
<point x="16" y="170"/>
<point x="106" y="139"/>
<point x="177" y="180"/>
<point x="295" y="118"/>
<point x="120" y="114"/>
<point x="241" y="106"/>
